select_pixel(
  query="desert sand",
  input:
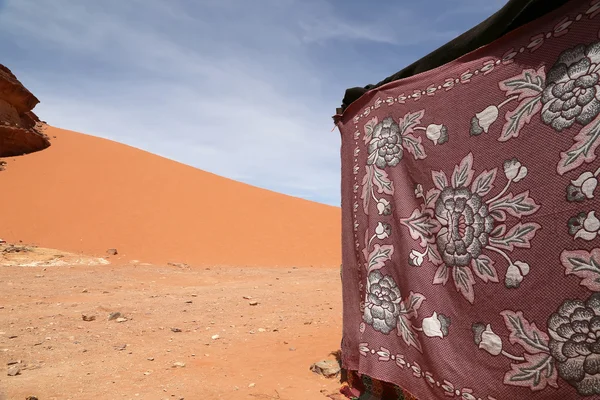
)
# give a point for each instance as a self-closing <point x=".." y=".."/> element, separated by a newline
<point x="87" y="194"/>
<point x="225" y="291"/>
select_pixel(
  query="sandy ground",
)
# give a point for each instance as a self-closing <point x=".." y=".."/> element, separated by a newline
<point x="173" y="314"/>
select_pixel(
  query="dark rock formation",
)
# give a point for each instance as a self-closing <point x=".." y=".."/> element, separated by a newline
<point x="20" y="129"/>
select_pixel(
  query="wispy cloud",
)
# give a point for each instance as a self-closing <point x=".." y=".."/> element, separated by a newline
<point x="242" y="89"/>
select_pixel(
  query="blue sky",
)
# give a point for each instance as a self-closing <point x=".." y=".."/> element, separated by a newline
<point x="241" y="88"/>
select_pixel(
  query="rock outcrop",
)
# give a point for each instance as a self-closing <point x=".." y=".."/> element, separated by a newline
<point x="20" y="129"/>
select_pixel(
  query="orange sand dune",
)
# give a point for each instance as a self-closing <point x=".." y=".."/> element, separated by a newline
<point x="87" y="194"/>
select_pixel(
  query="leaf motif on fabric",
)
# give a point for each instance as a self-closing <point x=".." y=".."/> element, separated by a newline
<point x="536" y="373"/>
<point x="409" y="121"/>
<point x="498" y="231"/>
<point x="369" y="128"/>
<point x="439" y="179"/>
<point x="441" y="275"/>
<point x="519" y="117"/>
<point x="367" y="185"/>
<point x="584" y="265"/>
<point x="529" y="83"/>
<point x="518" y="206"/>
<point x="382" y="181"/>
<point x="464" y="281"/>
<point x="586" y="142"/>
<point x="414" y="146"/>
<point x="483" y="266"/>
<point x="421" y="225"/>
<point x="463" y="173"/>
<point x="379" y="256"/>
<point x="498" y="215"/>
<point x="411" y="305"/>
<point x="408" y="333"/>
<point x="431" y="197"/>
<point x="433" y="255"/>
<point x="524" y="333"/>
<point x="519" y="236"/>
<point x="484" y="183"/>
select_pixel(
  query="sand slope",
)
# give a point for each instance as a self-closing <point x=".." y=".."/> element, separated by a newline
<point x="87" y="194"/>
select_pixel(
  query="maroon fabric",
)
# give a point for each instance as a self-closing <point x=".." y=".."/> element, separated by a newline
<point x="471" y="255"/>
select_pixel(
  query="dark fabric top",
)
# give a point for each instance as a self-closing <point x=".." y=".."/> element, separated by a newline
<point x="513" y="15"/>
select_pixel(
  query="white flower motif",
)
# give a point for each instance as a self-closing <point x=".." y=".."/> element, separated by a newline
<point x="436" y="326"/>
<point x="513" y="277"/>
<point x="384" y="207"/>
<point x="416" y="258"/>
<point x="523" y="266"/>
<point x="582" y="187"/>
<point x="383" y="230"/>
<point x="514" y="171"/>
<point x="490" y="342"/>
<point x="584" y="226"/>
<point x="483" y="120"/>
<point x="591" y="225"/>
<point x="438" y="134"/>
<point x="432" y="326"/>
<point x="419" y="190"/>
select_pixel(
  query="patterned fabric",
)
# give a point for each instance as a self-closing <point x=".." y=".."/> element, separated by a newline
<point x="365" y="388"/>
<point x="471" y="247"/>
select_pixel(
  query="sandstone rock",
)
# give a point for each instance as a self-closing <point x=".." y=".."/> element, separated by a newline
<point x="112" y="252"/>
<point x="21" y="131"/>
<point x="13" y="371"/>
<point x="327" y="368"/>
<point x="114" y="315"/>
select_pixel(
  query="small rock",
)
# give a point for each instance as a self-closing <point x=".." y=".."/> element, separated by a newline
<point x="150" y="358"/>
<point x="252" y="385"/>
<point x="31" y="398"/>
<point x="84" y="291"/>
<point x="178" y="265"/>
<point x="292" y="349"/>
<point x="88" y="318"/>
<point x="112" y="252"/>
<point x="13" y="362"/>
<point x="247" y="298"/>
<point x="253" y="303"/>
<point x="262" y="330"/>
<point x="179" y="364"/>
<point x="114" y="315"/>
<point x="189" y="302"/>
<point x="121" y="319"/>
<point x="13" y="371"/>
<point x="147" y="373"/>
<point x="327" y="368"/>
<point x="121" y="347"/>
<point x="215" y="337"/>
<point x="175" y="330"/>
<point x="13" y="337"/>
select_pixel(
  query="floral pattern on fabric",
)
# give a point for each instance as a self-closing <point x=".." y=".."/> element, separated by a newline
<point x="506" y="208"/>
<point x="460" y="221"/>
<point x="568" y="95"/>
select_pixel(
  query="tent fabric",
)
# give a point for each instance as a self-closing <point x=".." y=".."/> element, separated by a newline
<point x="514" y="14"/>
<point x="471" y="220"/>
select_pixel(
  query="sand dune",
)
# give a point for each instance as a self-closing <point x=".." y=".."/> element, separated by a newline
<point x="87" y="194"/>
